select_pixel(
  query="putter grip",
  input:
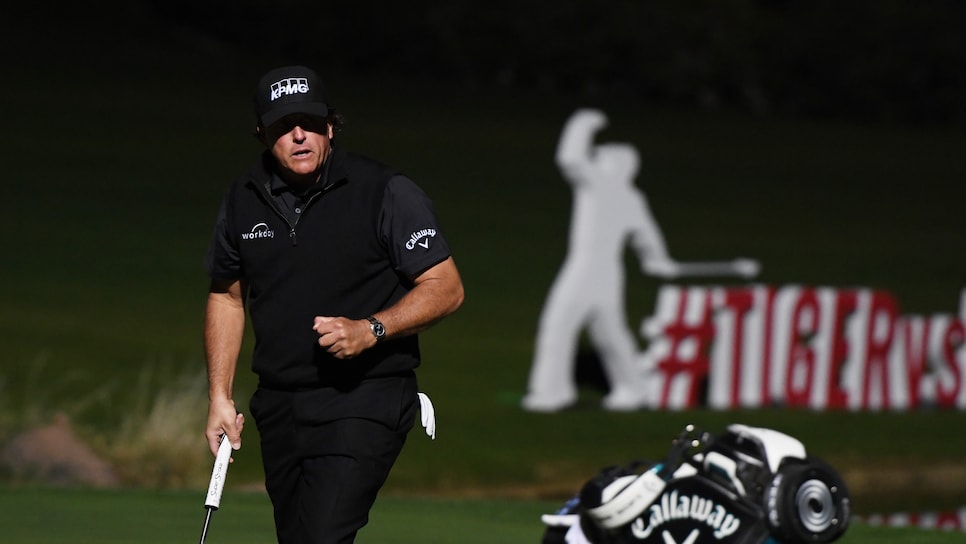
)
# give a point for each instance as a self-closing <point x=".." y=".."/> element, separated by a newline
<point x="218" y="474"/>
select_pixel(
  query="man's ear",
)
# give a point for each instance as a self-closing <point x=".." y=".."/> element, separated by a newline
<point x="259" y="134"/>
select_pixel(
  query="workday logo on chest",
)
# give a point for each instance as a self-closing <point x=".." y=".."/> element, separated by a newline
<point x="259" y="231"/>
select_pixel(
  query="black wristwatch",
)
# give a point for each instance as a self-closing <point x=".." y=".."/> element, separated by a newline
<point x="377" y="328"/>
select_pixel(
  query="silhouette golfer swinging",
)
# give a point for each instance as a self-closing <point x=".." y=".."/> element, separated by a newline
<point x="608" y="212"/>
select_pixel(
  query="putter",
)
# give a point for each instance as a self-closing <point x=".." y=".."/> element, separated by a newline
<point x="217" y="483"/>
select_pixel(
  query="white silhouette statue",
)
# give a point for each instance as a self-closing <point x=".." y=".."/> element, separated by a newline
<point x="608" y="212"/>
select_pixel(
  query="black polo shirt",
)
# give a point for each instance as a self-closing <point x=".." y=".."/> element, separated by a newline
<point x="353" y="250"/>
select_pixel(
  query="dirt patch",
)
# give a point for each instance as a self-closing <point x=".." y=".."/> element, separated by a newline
<point x="54" y="455"/>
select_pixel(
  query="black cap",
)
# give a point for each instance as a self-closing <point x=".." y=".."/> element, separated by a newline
<point x="287" y="90"/>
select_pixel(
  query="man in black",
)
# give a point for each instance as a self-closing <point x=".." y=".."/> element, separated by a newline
<point x="341" y="262"/>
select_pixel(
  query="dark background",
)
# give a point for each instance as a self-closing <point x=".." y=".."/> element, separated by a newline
<point x="881" y="61"/>
<point x="884" y="61"/>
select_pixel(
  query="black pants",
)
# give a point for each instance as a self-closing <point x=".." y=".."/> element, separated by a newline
<point x="327" y="452"/>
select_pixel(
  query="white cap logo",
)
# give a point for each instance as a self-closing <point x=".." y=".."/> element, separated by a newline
<point x="290" y="85"/>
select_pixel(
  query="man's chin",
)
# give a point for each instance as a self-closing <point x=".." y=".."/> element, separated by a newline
<point x="303" y="168"/>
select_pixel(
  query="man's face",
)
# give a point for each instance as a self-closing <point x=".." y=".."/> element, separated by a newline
<point x="300" y="143"/>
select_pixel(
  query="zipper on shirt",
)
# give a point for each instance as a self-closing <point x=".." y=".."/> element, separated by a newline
<point x="278" y="212"/>
<point x="292" y="236"/>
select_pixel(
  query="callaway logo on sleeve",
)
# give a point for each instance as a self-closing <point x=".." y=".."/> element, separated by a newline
<point x="420" y="238"/>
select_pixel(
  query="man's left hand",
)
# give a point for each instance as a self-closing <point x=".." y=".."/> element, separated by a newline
<point x="342" y="337"/>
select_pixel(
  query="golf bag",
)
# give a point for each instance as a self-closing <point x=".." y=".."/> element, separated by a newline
<point x="747" y="485"/>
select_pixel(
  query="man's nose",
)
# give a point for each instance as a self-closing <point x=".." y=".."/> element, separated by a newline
<point x="298" y="133"/>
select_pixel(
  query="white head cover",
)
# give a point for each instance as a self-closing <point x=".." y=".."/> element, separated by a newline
<point x="625" y="498"/>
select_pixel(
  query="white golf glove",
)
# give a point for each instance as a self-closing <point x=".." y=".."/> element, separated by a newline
<point x="427" y="414"/>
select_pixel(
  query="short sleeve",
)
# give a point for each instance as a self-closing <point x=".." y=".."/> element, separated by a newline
<point x="223" y="260"/>
<point x="410" y="228"/>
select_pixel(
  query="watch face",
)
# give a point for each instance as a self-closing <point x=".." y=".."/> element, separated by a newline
<point x="377" y="328"/>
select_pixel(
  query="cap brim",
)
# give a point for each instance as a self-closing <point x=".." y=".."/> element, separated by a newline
<point x="310" y="108"/>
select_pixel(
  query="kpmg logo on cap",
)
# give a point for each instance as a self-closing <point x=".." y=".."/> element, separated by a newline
<point x="290" y="85"/>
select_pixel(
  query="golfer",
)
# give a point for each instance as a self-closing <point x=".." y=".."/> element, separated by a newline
<point x="340" y="262"/>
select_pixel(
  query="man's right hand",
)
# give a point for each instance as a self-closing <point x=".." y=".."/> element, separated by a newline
<point x="223" y="420"/>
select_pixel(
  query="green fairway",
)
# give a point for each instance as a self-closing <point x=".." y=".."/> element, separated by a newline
<point x="34" y="516"/>
<point x="68" y="516"/>
<point x="109" y="214"/>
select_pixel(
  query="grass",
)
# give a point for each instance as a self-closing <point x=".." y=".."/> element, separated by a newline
<point x="109" y="213"/>
<point x="41" y="516"/>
